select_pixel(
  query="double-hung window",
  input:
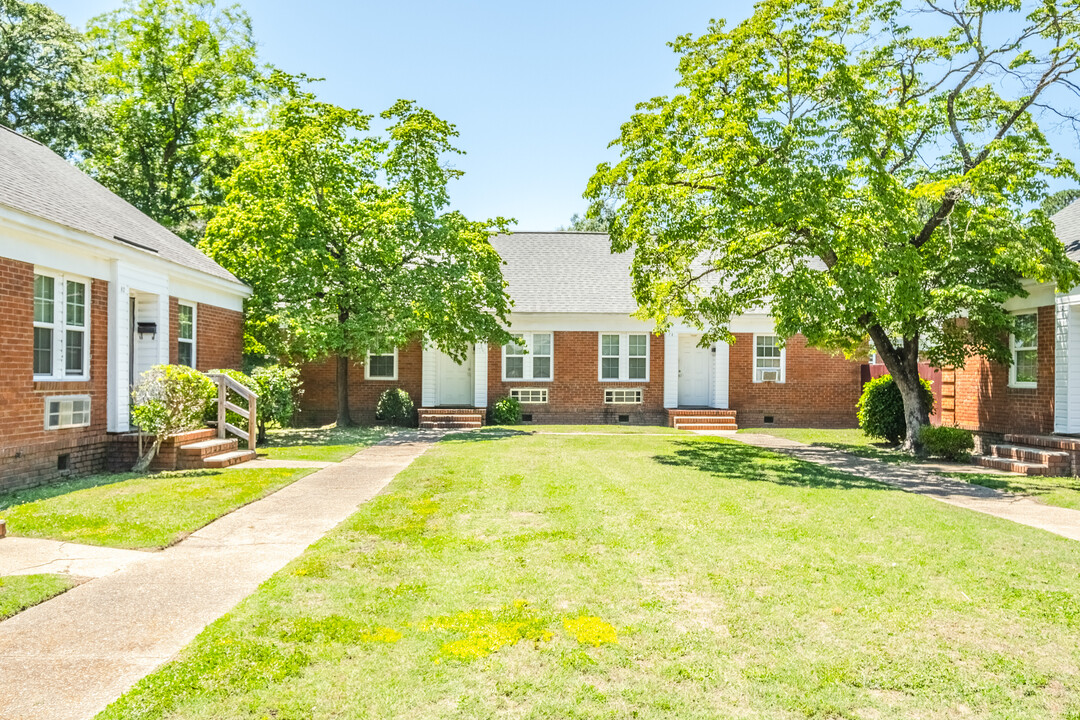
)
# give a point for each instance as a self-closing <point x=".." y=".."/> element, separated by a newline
<point x="768" y="359"/>
<point x="382" y="366"/>
<point x="528" y="357"/>
<point x="1025" y="354"/>
<point x="624" y="357"/>
<point x="185" y="336"/>
<point x="61" y="327"/>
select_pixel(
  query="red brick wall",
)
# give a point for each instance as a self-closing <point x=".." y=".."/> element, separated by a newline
<point x="978" y="397"/>
<point x="576" y="395"/>
<point x="29" y="452"/>
<point x="318" y="406"/>
<point x="820" y="390"/>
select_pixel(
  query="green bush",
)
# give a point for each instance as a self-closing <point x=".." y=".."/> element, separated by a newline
<point x="395" y="407"/>
<point x="278" y="388"/>
<point x="881" y="409"/>
<point x="951" y="443"/>
<point x="169" y="400"/>
<point x="507" y="411"/>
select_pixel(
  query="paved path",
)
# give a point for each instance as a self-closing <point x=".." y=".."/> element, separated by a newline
<point x="68" y="658"/>
<point x="924" y="481"/>
<point x="28" y="556"/>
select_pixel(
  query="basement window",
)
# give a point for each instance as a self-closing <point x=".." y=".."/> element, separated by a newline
<point x="67" y="412"/>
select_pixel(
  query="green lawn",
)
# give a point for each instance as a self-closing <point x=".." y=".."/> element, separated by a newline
<point x="606" y="429"/>
<point x="18" y="592"/>
<point x="1061" y="491"/>
<point x="326" y="444"/>
<point x="852" y="440"/>
<point x="544" y="576"/>
<point x="140" y="512"/>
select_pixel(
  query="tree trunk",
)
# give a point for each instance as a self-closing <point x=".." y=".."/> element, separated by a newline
<point x="903" y="364"/>
<point x="343" y="417"/>
<point x="144" y="462"/>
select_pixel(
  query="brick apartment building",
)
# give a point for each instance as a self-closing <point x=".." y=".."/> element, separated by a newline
<point x="587" y="360"/>
<point x="92" y="293"/>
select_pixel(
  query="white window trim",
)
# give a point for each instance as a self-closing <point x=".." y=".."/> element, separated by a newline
<point x="54" y="398"/>
<point x="194" y="332"/>
<point x="783" y="359"/>
<point x="624" y="357"/>
<point x="381" y="378"/>
<point x="59" y="328"/>
<point x="1013" y="382"/>
<point x="640" y="394"/>
<point x="516" y="393"/>
<point x="527" y="367"/>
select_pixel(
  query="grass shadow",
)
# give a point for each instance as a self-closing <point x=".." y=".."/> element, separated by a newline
<point x="485" y="434"/>
<point x="744" y="462"/>
<point x="328" y="435"/>
<point x="12" y="498"/>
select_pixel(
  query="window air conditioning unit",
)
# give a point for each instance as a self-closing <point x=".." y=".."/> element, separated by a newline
<point x="770" y="376"/>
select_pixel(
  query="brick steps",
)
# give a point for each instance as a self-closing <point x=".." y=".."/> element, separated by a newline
<point x="702" y="419"/>
<point x="451" y="418"/>
<point x="1009" y="465"/>
<point x="196" y="454"/>
<point x="1036" y="455"/>
<point x="1031" y="454"/>
<point x="1054" y="442"/>
<point x="227" y="459"/>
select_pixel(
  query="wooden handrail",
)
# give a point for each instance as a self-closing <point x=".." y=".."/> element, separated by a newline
<point x="224" y="384"/>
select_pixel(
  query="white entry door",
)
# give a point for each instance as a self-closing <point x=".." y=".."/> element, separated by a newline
<point x="693" y="372"/>
<point x="456" y="381"/>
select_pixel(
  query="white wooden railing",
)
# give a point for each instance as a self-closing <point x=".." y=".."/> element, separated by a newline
<point x="224" y="384"/>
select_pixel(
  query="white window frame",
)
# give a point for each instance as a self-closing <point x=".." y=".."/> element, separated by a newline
<point x="59" y="328"/>
<point x="49" y="400"/>
<point x="194" y="332"/>
<point x="758" y="372"/>
<point x="530" y="396"/>
<point x="610" y="395"/>
<point x="1013" y="348"/>
<point x="381" y="378"/>
<point x="526" y="341"/>
<point x="624" y="357"/>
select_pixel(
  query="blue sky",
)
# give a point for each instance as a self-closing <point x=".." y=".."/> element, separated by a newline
<point x="536" y="89"/>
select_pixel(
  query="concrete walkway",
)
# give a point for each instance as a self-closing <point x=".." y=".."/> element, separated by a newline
<point x="29" y="556"/>
<point x="68" y="658"/>
<point x="924" y="481"/>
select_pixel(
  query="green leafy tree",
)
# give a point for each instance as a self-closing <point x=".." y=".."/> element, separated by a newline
<point x="1060" y="200"/>
<point x="178" y="82"/>
<point x="867" y="170"/>
<point x="169" y="400"/>
<point x="346" y="241"/>
<point x="279" y="389"/>
<point x="43" y="74"/>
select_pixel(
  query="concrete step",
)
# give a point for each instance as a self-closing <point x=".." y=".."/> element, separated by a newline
<point x="204" y="448"/>
<point x="1039" y="456"/>
<point x="228" y="459"/>
<point x="1054" y="442"/>
<point x="1009" y="465"/>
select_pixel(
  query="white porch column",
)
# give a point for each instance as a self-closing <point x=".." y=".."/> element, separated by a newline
<point x="116" y="405"/>
<point x="1066" y="364"/>
<point x="429" y="377"/>
<point x="671" y="370"/>
<point x="480" y="375"/>
<point x="720" y="376"/>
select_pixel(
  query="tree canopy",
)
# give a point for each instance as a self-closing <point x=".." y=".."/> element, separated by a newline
<point x="867" y="170"/>
<point x="346" y="239"/>
<point x="177" y="83"/>
<point x="43" y="75"/>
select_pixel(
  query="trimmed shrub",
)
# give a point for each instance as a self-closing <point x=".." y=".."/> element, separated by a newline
<point x="951" y="443"/>
<point x="881" y="409"/>
<point x="395" y="407"/>
<point x="169" y="400"/>
<point x="278" y="388"/>
<point x="507" y="411"/>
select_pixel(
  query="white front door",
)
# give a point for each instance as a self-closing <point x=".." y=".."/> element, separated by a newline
<point x="693" y="372"/>
<point x="456" y="381"/>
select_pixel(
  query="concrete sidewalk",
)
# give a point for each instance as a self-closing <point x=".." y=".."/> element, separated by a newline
<point x="69" y="657"/>
<point x="1010" y="506"/>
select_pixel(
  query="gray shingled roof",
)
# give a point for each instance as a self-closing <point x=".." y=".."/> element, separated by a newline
<point x="1067" y="224"/>
<point x="39" y="182"/>
<point x="565" y="272"/>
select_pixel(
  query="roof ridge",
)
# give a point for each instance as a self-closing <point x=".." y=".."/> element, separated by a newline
<point x="18" y="134"/>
